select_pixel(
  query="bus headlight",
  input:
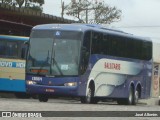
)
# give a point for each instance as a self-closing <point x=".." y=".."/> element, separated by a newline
<point x="29" y="82"/>
<point x="70" y="84"/>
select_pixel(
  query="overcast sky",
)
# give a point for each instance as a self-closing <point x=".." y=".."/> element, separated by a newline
<point x="140" y="17"/>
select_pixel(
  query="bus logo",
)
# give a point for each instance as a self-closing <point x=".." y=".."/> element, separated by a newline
<point x="58" y="33"/>
<point x="49" y="83"/>
<point x="114" y="66"/>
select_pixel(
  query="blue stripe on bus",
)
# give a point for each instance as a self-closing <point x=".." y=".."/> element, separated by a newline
<point x="12" y="85"/>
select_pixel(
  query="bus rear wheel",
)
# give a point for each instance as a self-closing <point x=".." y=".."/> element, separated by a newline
<point x="43" y="98"/>
<point x="133" y="97"/>
<point x="136" y="97"/>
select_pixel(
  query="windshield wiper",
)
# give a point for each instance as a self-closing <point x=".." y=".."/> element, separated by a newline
<point x="53" y="59"/>
<point x="46" y="61"/>
<point x="57" y="67"/>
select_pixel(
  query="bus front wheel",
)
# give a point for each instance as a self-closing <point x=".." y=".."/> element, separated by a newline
<point x="89" y="98"/>
<point x="43" y="98"/>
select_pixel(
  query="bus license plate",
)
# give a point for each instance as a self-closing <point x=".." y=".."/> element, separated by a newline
<point x="49" y="90"/>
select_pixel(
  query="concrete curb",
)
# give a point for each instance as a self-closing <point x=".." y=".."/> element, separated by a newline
<point x="151" y="101"/>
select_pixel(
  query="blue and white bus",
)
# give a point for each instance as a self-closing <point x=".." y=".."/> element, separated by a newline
<point x="88" y="61"/>
<point x="12" y="64"/>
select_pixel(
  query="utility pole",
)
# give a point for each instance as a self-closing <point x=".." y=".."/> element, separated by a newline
<point x="87" y="9"/>
<point x="62" y="6"/>
<point x="86" y="12"/>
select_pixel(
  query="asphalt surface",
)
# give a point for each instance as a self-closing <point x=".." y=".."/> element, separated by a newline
<point x="72" y="109"/>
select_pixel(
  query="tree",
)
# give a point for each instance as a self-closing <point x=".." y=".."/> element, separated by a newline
<point x="20" y="3"/>
<point x="106" y="14"/>
<point x="8" y="2"/>
<point x="88" y="11"/>
<point x="35" y="5"/>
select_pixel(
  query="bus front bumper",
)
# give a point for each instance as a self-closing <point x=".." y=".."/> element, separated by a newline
<point x="52" y="90"/>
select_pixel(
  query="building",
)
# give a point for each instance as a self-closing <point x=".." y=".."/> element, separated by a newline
<point x="18" y="21"/>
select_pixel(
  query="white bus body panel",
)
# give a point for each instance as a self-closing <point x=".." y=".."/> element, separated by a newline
<point x="109" y="73"/>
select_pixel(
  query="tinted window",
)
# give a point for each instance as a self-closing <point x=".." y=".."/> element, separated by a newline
<point x="2" y="48"/>
<point x="121" y="46"/>
<point x="85" y="51"/>
<point x="97" y="41"/>
<point x="8" y="49"/>
<point x="12" y="49"/>
<point x="147" y="50"/>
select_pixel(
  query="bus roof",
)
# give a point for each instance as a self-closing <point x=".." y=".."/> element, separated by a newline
<point x="85" y="27"/>
<point x="10" y="37"/>
<point x="75" y="27"/>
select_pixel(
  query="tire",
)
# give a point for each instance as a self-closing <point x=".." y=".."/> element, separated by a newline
<point x="130" y="99"/>
<point x="136" y="97"/>
<point x="43" y="98"/>
<point x="89" y="98"/>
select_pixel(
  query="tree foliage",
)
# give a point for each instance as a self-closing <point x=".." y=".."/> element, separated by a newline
<point x="88" y="11"/>
<point x="35" y="5"/>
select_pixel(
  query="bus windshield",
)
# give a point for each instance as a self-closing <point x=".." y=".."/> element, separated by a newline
<point x="54" y="53"/>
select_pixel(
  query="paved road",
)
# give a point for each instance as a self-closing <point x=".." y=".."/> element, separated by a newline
<point x="13" y="104"/>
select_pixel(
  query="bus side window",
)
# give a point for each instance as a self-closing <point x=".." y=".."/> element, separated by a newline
<point x="85" y="51"/>
<point x="112" y="45"/>
<point x="12" y="49"/>
<point x="105" y="45"/>
<point x="2" y="48"/>
<point x="97" y="42"/>
<point x="147" y="50"/>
